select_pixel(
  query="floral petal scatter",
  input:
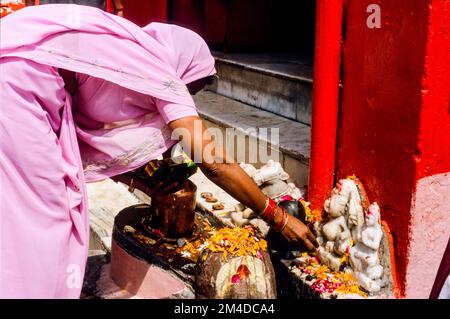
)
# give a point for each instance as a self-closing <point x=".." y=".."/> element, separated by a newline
<point x="324" y="280"/>
<point x="312" y="215"/>
<point x="229" y="241"/>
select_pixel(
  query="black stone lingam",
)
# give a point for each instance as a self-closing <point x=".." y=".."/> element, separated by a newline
<point x="294" y="208"/>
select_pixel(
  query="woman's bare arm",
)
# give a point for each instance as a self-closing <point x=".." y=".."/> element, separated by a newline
<point x="221" y="170"/>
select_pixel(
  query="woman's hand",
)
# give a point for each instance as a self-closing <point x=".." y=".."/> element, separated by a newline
<point x="298" y="234"/>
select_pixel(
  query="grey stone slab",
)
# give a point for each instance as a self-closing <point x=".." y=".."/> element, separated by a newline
<point x="282" y="65"/>
<point x="297" y="170"/>
<point x="294" y="137"/>
<point x="275" y="83"/>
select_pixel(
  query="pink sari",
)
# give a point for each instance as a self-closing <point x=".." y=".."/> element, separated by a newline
<point x="132" y="83"/>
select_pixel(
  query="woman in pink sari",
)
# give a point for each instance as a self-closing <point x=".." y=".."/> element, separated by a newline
<point x="87" y="95"/>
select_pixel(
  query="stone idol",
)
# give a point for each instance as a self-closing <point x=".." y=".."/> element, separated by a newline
<point x="350" y="236"/>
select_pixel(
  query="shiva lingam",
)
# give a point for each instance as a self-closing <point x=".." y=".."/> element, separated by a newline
<point x="172" y="213"/>
<point x="144" y="258"/>
<point x="196" y="249"/>
<point x="168" y="242"/>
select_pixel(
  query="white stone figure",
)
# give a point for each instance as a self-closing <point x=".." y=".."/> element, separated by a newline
<point x="327" y="256"/>
<point x="336" y="242"/>
<point x="336" y="205"/>
<point x="345" y="201"/>
<point x="249" y="169"/>
<point x="248" y="213"/>
<point x="345" y="217"/>
<point x="239" y="207"/>
<point x="275" y="188"/>
<point x="274" y="182"/>
<point x="294" y="191"/>
<point x="364" y="257"/>
<point x="242" y="217"/>
<point x="260" y="225"/>
<point x="271" y="171"/>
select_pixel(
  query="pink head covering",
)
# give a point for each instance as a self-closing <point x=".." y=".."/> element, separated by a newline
<point x="157" y="60"/>
<point x="191" y="57"/>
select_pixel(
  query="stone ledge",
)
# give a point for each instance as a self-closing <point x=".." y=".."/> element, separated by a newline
<point x="294" y="139"/>
<point x="294" y="284"/>
<point x="282" y="67"/>
<point x="279" y="84"/>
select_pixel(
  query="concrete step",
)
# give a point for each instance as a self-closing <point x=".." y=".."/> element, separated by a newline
<point x="280" y="84"/>
<point x="236" y="120"/>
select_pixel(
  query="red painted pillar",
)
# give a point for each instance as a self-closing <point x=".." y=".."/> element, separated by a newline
<point x="110" y="6"/>
<point x="327" y="61"/>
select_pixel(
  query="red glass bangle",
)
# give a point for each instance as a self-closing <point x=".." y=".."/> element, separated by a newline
<point x="285" y="223"/>
<point x="280" y="226"/>
<point x="270" y="207"/>
<point x="270" y="217"/>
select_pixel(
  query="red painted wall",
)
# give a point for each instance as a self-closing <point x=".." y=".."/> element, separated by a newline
<point x="434" y="134"/>
<point x="143" y="12"/>
<point x="188" y="13"/>
<point x="389" y="131"/>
